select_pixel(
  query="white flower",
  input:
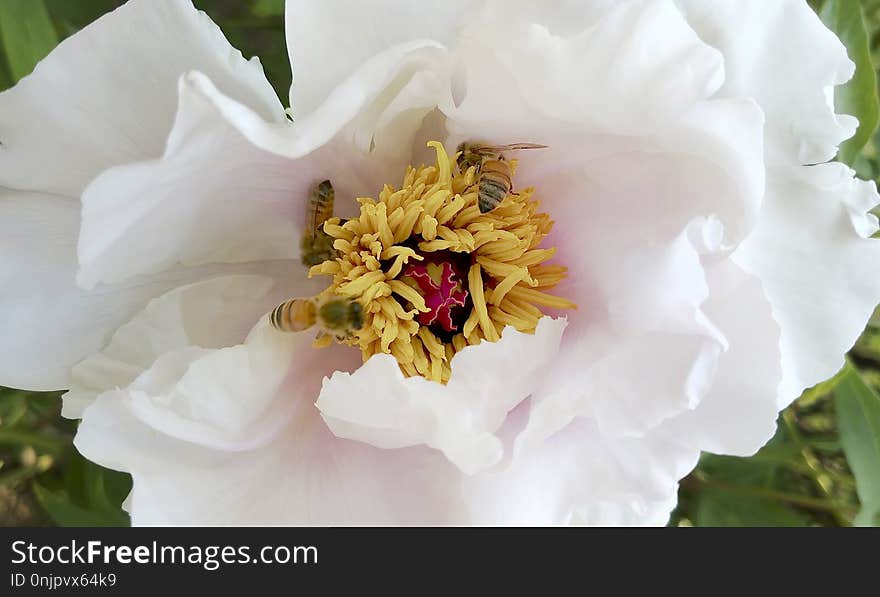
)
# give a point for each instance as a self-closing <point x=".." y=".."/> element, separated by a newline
<point x="152" y="206"/>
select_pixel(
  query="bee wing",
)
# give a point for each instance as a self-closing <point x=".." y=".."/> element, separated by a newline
<point x="510" y="147"/>
<point x="516" y="146"/>
<point x="320" y="206"/>
<point x="311" y="218"/>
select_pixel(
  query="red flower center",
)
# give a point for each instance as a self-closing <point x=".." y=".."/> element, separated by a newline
<point x="441" y="287"/>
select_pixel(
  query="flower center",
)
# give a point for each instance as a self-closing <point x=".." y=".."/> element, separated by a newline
<point x="441" y="288"/>
<point x="436" y="272"/>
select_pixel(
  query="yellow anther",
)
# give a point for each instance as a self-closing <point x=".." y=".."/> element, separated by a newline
<point x="434" y="218"/>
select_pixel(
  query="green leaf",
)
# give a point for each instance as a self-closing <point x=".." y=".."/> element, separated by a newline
<point x="117" y="486"/>
<point x="858" y="97"/>
<point x="858" y="415"/>
<point x="68" y="514"/>
<point x="5" y="79"/>
<point x="90" y="495"/>
<point x="732" y="501"/>
<point x="741" y="471"/>
<point x="868" y="516"/>
<point x="28" y="34"/>
<point x="26" y="437"/>
<point x="13" y="407"/>
<point x="268" y="8"/>
<point x="719" y="508"/>
<point x="80" y="13"/>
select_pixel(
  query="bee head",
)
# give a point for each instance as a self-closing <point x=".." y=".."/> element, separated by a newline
<point x="467" y="157"/>
<point x="356" y="315"/>
<point x="342" y="314"/>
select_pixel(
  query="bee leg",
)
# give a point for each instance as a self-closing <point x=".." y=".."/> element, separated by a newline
<point x="322" y="340"/>
<point x="476" y="182"/>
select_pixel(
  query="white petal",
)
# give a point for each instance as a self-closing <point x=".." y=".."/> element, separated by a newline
<point x="601" y="76"/>
<point x="690" y="390"/>
<point x="306" y="475"/>
<point x="579" y="476"/>
<point x="738" y="413"/>
<point x="234" y="438"/>
<point x="619" y="190"/>
<point x="561" y="17"/>
<point x="213" y="197"/>
<point x="365" y="133"/>
<point x="215" y="313"/>
<point x="764" y="45"/>
<point x="231" y="436"/>
<point x="49" y="324"/>
<point x="232" y="187"/>
<point x="376" y="404"/>
<point x="700" y="157"/>
<point x="222" y="399"/>
<point x="328" y="40"/>
<point x="107" y="95"/>
<point x="631" y="223"/>
<point x="632" y="216"/>
<point x="819" y="273"/>
<point x="640" y="350"/>
<point x="229" y="399"/>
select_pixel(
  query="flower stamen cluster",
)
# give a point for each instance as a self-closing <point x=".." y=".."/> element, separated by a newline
<point x="494" y="271"/>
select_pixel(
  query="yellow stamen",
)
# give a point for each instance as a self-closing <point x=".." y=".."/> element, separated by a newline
<point x="436" y="210"/>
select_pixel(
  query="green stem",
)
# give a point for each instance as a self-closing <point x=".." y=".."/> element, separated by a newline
<point x="802" y="468"/>
<point x="794" y="466"/>
<point x="37" y="440"/>
<point x="760" y="492"/>
<point x="816" y="471"/>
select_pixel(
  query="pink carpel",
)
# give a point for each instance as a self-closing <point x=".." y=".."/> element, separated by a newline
<point x="442" y="292"/>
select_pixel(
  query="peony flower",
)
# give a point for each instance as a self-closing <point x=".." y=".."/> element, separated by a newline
<point x="672" y="269"/>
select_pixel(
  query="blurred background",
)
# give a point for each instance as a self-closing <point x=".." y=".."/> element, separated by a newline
<point x="821" y="469"/>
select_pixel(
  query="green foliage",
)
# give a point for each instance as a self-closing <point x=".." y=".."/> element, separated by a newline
<point x="743" y="491"/>
<point x="5" y="77"/>
<point x="784" y="484"/>
<point x="858" y="413"/>
<point x="72" y="15"/>
<point x="268" y="8"/>
<point x="28" y="35"/>
<point x="858" y="97"/>
<point x="821" y="469"/>
<point x="803" y="476"/>
<point x="91" y="496"/>
<point x="726" y="508"/>
<point x="42" y="477"/>
<point x="256" y="27"/>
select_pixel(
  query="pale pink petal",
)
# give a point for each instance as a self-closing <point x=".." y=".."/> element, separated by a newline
<point x="764" y="46"/>
<point x="107" y="95"/>
<point x="819" y="272"/>
<point x="49" y="324"/>
<point x="378" y="405"/>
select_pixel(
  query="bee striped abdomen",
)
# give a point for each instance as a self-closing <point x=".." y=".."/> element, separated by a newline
<point x="316" y="247"/>
<point x="321" y="205"/>
<point x="494" y="184"/>
<point x="295" y="315"/>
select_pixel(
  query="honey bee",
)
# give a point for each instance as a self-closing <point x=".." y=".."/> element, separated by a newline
<point x="336" y="316"/>
<point x="493" y="170"/>
<point x="317" y="245"/>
